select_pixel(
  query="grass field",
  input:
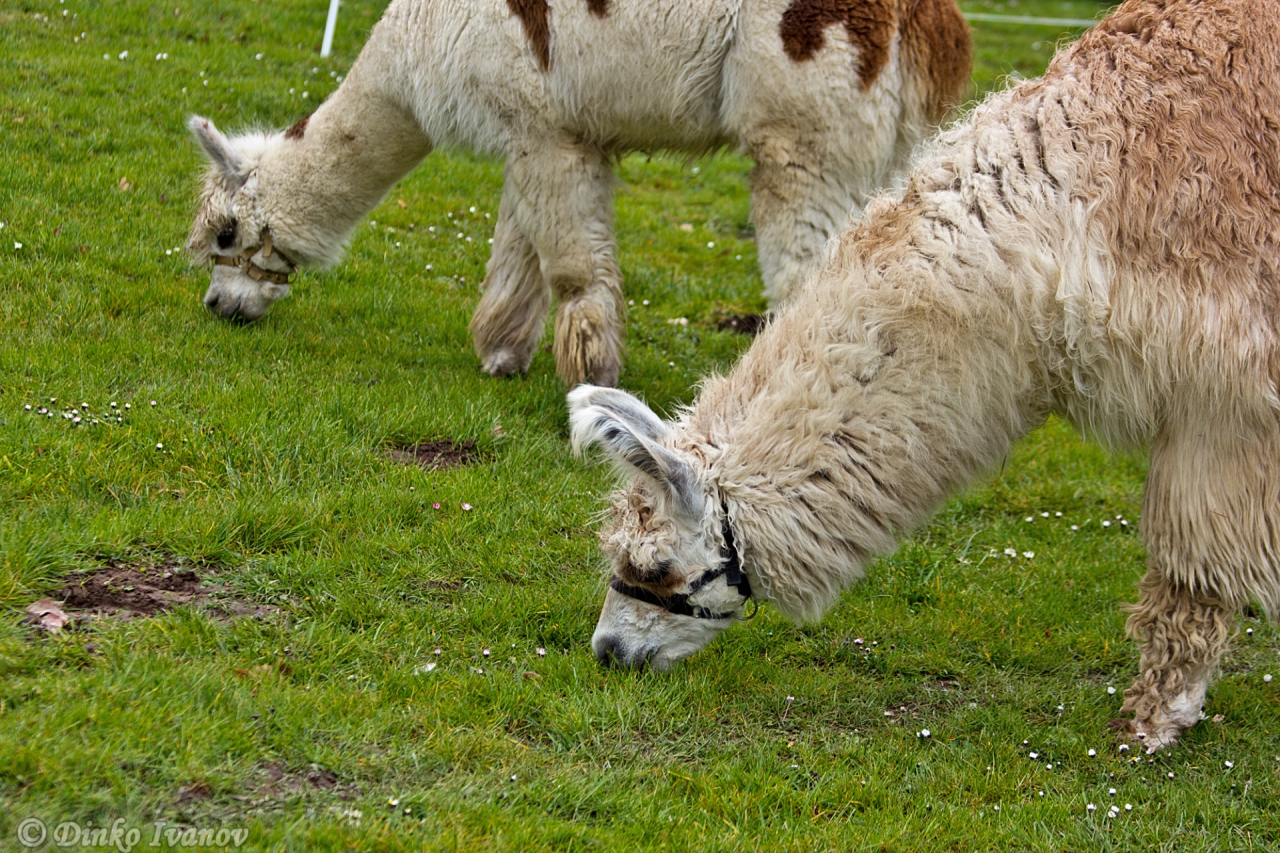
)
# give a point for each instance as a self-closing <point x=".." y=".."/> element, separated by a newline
<point x="305" y="701"/>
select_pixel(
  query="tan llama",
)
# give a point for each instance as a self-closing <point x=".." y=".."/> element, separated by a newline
<point x="827" y="96"/>
<point x="1103" y="244"/>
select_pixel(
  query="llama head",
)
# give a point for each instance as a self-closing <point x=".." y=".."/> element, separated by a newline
<point x="231" y="225"/>
<point x="675" y="581"/>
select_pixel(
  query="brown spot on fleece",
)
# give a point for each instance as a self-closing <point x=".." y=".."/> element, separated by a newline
<point x="935" y="37"/>
<point x="535" y="16"/>
<point x="299" y="129"/>
<point x="870" y="25"/>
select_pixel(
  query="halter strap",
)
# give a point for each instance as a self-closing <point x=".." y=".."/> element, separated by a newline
<point x="678" y="602"/>
<point x="248" y="267"/>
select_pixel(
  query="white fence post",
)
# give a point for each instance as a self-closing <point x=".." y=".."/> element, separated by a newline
<point x="327" y="44"/>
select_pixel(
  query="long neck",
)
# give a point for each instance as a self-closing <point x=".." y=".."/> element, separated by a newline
<point x="892" y="381"/>
<point x="322" y="178"/>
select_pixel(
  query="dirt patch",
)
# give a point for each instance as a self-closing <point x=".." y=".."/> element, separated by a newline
<point x="743" y="324"/>
<point x="130" y="590"/>
<point x="278" y="783"/>
<point x="440" y="455"/>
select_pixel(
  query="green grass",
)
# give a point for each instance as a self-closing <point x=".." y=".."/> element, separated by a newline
<point x="271" y="472"/>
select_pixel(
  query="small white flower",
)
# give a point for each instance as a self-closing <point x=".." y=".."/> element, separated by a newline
<point x="257" y="56"/>
<point x="1075" y="527"/>
<point x="466" y="507"/>
<point x="1031" y="518"/>
<point x="1057" y="515"/>
<point x="1229" y="764"/>
<point x="644" y="302"/>
<point x="1111" y="691"/>
<point x="17" y="245"/>
<point x="542" y="653"/>
<point x="1010" y="552"/>
<point x="925" y="733"/>
<point x="1028" y="554"/>
<point x="124" y="54"/>
<point x="1044" y="515"/>
<point x="1124" y="747"/>
<point x="1267" y="678"/>
<point x="1091" y="807"/>
<point x="1034" y="755"/>
<point x="486" y="652"/>
<point x="159" y="446"/>
<point x="1111" y="792"/>
<point x="1128" y="807"/>
<point x="1106" y="524"/>
<point x="1092" y="753"/>
<point x="711" y="245"/>
<point x="305" y="94"/>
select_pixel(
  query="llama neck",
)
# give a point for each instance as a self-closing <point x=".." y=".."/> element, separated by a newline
<point x="334" y="167"/>
<point x="888" y="385"/>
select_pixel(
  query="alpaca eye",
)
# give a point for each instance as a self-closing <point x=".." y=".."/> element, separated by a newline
<point x="227" y="236"/>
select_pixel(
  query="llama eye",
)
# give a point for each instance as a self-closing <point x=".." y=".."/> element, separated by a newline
<point x="227" y="236"/>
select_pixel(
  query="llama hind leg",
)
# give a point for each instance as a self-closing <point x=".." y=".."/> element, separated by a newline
<point x="800" y="197"/>
<point x="1182" y="635"/>
<point x="508" y="321"/>
<point x="567" y="211"/>
<point x="1212" y="546"/>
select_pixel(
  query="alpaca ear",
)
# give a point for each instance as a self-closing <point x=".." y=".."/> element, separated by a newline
<point x="217" y="147"/>
<point x="628" y="430"/>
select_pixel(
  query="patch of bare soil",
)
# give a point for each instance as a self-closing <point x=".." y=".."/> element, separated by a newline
<point x="440" y="455"/>
<point x="277" y="783"/>
<point x="743" y="324"/>
<point x="129" y="590"/>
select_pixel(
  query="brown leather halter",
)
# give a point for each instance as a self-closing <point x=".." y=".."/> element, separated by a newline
<point x="255" y="272"/>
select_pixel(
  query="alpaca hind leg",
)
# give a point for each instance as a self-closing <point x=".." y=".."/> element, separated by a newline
<point x="800" y="197"/>
<point x="508" y="321"/>
<point x="1212" y="545"/>
<point x="1182" y="636"/>
<point x="567" y="212"/>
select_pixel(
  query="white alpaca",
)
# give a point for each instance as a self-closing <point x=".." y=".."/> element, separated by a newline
<point x="1104" y="244"/>
<point x="827" y="96"/>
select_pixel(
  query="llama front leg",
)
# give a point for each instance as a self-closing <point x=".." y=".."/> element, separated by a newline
<point x="1182" y="635"/>
<point x="566" y="209"/>
<point x="508" y="321"/>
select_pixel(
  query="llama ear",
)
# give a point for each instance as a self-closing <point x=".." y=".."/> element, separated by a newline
<point x="217" y="147"/>
<point x="629" y="431"/>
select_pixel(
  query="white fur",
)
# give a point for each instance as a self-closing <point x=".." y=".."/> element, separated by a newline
<point x="683" y="75"/>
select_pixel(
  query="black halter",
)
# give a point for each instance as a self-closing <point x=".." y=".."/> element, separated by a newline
<point x="678" y="602"/>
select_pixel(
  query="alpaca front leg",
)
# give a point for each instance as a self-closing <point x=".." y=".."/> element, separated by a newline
<point x="566" y="209"/>
<point x="508" y="321"/>
<point x="1182" y="636"/>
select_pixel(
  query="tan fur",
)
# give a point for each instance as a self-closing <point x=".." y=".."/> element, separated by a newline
<point x="1102" y="243"/>
<point x="561" y="90"/>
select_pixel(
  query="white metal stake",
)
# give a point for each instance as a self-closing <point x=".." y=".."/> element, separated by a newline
<point x="328" y="28"/>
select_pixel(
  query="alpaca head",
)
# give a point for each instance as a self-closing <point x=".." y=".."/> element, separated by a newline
<point x="675" y="579"/>
<point x="232" y="225"/>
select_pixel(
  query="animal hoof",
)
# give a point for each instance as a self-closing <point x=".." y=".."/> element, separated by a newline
<point x="504" y="362"/>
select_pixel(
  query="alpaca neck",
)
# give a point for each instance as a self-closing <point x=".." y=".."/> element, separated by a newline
<point x="318" y="185"/>
<point x="876" y="395"/>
